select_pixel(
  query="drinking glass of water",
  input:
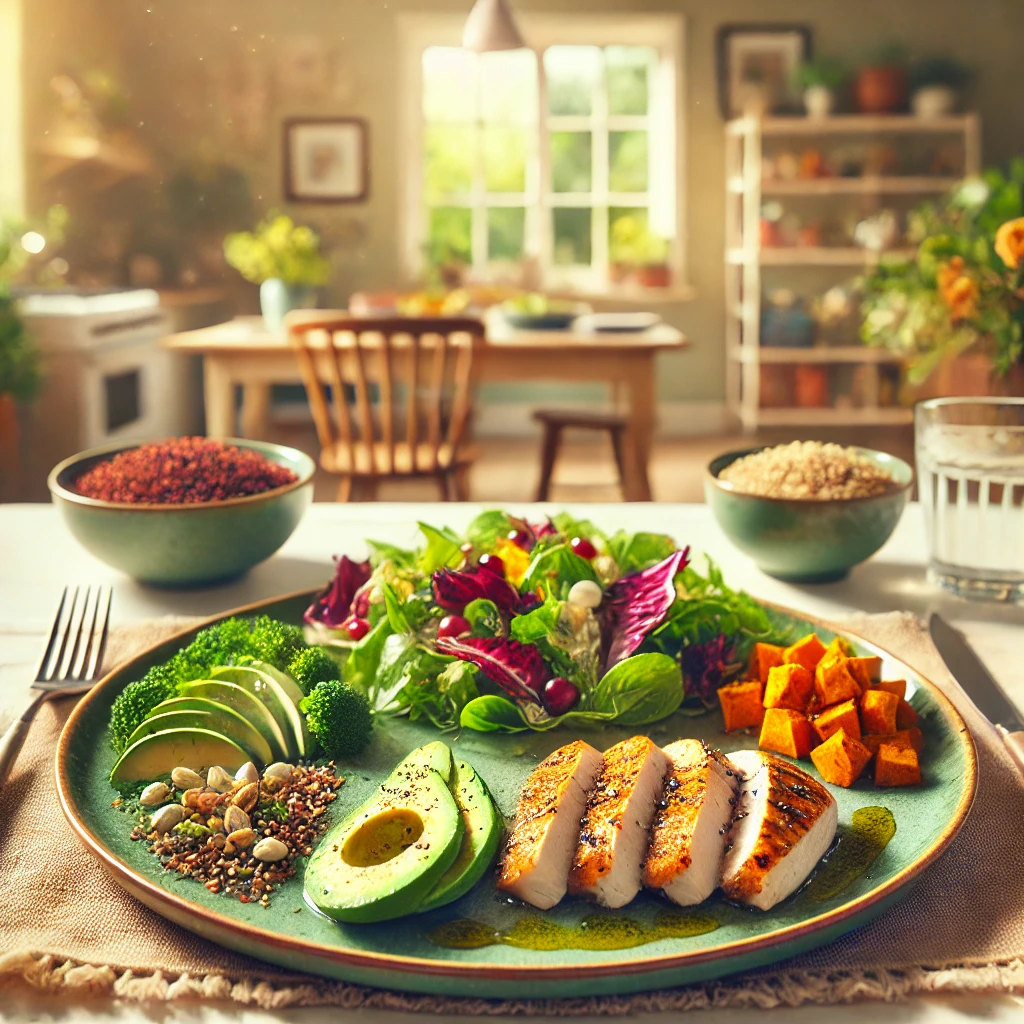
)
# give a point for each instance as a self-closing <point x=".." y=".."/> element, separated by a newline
<point x="970" y="472"/>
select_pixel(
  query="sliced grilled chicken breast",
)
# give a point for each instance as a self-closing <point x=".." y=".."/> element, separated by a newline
<point x="785" y="821"/>
<point x="616" y="825"/>
<point x="689" y="834"/>
<point x="546" y="829"/>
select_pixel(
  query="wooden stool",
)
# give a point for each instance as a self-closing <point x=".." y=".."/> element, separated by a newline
<point x="632" y="475"/>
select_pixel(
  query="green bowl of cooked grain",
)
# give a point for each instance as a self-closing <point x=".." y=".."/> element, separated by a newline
<point x="807" y="512"/>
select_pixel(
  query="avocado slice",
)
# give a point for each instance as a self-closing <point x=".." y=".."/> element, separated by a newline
<point x="159" y="753"/>
<point x="378" y="862"/>
<point x="216" y="718"/>
<point x="483" y="831"/>
<point x="262" y="685"/>
<point x="246" y="704"/>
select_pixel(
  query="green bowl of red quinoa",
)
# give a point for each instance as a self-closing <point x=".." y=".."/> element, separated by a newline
<point x="807" y="512"/>
<point x="184" y="511"/>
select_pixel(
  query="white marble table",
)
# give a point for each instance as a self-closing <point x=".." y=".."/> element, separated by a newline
<point x="38" y="557"/>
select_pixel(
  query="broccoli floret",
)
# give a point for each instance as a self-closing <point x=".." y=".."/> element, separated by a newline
<point x="339" y="717"/>
<point x="276" y="642"/>
<point x="223" y="644"/>
<point x="311" y="666"/>
<point x="136" y="701"/>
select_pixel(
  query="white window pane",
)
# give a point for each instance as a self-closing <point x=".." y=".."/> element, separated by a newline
<point x="571" y="161"/>
<point x="505" y="159"/>
<point x="627" y="69"/>
<point x="506" y="233"/>
<point x="449" y="158"/>
<point x="572" y="227"/>
<point x="508" y="86"/>
<point x="627" y="161"/>
<point x="573" y="74"/>
<point x="449" y="84"/>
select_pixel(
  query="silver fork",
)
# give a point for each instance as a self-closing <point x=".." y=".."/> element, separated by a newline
<point x="71" y="663"/>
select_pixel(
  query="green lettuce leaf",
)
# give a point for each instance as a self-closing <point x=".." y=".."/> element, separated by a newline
<point x="442" y="549"/>
<point x="638" y="690"/>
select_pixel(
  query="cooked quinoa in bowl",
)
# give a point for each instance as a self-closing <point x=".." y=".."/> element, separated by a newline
<point x="808" y="470"/>
<point x="807" y="512"/>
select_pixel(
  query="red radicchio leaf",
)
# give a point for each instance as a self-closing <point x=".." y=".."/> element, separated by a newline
<point x="705" y="667"/>
<point x="454" y="590"/>
<point x="517" y="668"/>
<point x="636" y="604"/>
<point x="334" y="605"/>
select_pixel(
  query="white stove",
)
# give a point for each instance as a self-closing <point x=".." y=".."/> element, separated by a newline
<point x="107" y="378"/>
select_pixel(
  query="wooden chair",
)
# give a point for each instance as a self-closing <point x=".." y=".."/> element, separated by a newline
<point x="632" y="473"/>
<point x="391" y="398"/>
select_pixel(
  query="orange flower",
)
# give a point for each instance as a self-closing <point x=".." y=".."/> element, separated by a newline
<point x="948" y="273"/>
<point x="962" y="296"/>
<point x="1010" y="242"/>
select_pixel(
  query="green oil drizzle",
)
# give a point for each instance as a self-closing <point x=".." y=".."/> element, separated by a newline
<point x="596" y="932"/>
<point x="858" y="846"/>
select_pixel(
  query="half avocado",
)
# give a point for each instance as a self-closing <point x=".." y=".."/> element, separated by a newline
<point x="483" y="831"/>
<point x="215" y="718"/>
<point x="379" y="862"/>
<point x="158" y="754"/>
<point x="277" y="696"/>
<point x="247" y="705"/>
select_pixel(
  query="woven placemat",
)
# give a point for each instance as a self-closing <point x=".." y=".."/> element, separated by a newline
<point x="66" y="928"/>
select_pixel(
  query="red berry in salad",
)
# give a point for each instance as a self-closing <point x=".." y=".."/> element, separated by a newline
<point x="492" y="563"/>
<point x="453" y="625"/>
<point x="357" y="628"/>
<point x="582" y="547"/>
<point x="559" y="696"/>
<point x="521" y="539"/>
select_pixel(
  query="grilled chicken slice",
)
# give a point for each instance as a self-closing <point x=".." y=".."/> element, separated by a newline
<point x="543" y="839"/>
<point x="616" y="826"/>
<point x="785" y="821"/>
<point x="688" y="838"/>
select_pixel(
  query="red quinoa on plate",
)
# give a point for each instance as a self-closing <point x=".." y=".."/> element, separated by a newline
<point x="182" y="471"/>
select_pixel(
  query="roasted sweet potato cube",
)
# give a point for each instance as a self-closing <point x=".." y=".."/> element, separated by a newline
<point x="741" y="705"/>
<point x="839" y="716"/>
<point x="865" y="670"/>
<point x="833" y="683"/>
<point x="913" y="738"/>
<point x="837" y="648"/>
<point x="807" y="652"/>
<point x="789" y="686"/>
<point x="764" y="657"/>
<point x="897" y="766"/>
<point x="906" y="716"/>
<point x="897" y="686"/>
<point x="841" y="758"/>
<point x="878" y="711"/>
<point x="786" y="732"/>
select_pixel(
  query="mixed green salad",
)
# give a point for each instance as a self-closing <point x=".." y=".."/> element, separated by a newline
<point x="516" y="625"/>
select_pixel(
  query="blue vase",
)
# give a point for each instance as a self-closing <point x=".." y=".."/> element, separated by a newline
<point x="278" y="297"/>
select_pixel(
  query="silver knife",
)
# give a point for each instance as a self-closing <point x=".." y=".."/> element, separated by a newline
<point x="977" y="682"/>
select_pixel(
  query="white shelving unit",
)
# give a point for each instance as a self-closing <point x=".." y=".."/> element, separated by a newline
<point x="745" y="257"/>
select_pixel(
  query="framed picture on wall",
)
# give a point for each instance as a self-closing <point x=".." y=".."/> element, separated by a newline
<point x="326" y="160"/>
<point x="757" y="67"/>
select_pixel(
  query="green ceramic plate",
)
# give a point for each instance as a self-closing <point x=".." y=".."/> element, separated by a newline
<point x="398" y="954"/>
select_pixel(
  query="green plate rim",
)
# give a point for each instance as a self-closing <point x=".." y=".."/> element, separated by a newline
<point x="210" y="923"/>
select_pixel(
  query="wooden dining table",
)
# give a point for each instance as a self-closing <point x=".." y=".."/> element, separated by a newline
<point x="242" y="353"/>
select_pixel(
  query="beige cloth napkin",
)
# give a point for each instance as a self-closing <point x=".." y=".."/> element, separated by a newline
<point x="66" y="927"/>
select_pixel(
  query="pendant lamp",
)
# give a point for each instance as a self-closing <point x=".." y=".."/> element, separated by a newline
<point x="490" y="27"/>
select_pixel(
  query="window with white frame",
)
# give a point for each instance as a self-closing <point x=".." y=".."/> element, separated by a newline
<point x="563" y="157"/>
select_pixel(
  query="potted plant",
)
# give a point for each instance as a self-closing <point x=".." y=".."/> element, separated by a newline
<point x="820" y="80"/>
<point x="880" y="86"/>
<point x="284" y="259"/>
<point x="636" y="251"/>
<point x="961" y="300"/>
<point x="936" y="84"/>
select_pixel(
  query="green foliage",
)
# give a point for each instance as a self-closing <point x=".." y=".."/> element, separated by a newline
<point x="827" y="72"/>
<point x="634" y="244"/>
<point x="20" y="374"/>
<point x="905" y="307"/>
<point x="136" y="701"/>
<point x="942" y="70"/>
<point x="311" y="666"/>
<point x="338" y="715"/>
<point x="278" y="248"/>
